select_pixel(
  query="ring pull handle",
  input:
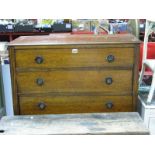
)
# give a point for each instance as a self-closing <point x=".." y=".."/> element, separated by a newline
<point x="39" y="59"/>
<point x="110" y="58"/>
<point x="41" y="105"/>
<point x="108" y="80"/>
<point x="40" y="81"/>
<point x="109" y="105"/>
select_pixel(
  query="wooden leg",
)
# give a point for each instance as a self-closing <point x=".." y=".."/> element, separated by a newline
<point x="141" y="74"/>
<point x="152" y="89"/>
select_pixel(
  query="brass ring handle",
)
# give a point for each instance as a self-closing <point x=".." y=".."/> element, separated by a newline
<point x="40" y="82"/>
<point x="108" y="80"/>
<point x="109" y="105"/>
<point x="39" y="59"/>
<point x="110" y="58"/>
<point x="41" y="105"/>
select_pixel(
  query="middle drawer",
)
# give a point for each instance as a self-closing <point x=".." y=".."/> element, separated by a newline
<point x="106" y="81"/>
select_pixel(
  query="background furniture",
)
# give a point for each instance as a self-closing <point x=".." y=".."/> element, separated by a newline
<point x="147" y="79"/>
<point x="2" y="105"/>
<point x="96" y="123"/>
<point x="74" y="73"/>
<point x="7" y="87"/>
<point x="150" y="54"/>
<point x="6" y="79"/>
<point x="133" y="27"/>
<point x="150" y="26"/>
<point x="3" y="48"/>
<point x="147" y="112"/>
<point x="9" y="36"/>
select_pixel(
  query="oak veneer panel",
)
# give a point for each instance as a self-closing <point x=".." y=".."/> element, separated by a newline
<point x="68" y="39"/>
<point x="75" y="81"/>
<point x="61" y="58"/>
<point x="74" y="104"/>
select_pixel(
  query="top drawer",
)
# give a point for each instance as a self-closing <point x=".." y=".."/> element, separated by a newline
<point x="77" y="57"/>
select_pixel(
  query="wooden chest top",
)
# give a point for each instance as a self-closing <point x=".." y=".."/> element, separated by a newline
<point x="69" y="39"/>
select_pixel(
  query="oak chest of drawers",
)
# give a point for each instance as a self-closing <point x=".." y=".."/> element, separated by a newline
<point x="74" y="73"/>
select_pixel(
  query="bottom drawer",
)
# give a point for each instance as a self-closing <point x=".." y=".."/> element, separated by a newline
<point x="74" y="104"/>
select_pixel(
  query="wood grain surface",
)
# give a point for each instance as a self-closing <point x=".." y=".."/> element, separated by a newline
<point x="75" y="39"/>
<point x="83" y="124"/>
<point x="85" y="57"/>
<point x="74" y="67"/>
<point x="75" y="81"/>
<point x="74" y="104"/>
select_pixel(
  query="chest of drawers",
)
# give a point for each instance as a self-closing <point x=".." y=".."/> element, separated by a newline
<point x="74" y="73"/>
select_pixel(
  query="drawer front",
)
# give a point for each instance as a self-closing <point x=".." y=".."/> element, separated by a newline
<point x="109" y="81"/>
<point x="74" y="104"/>
<point x="82" y="57"/>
